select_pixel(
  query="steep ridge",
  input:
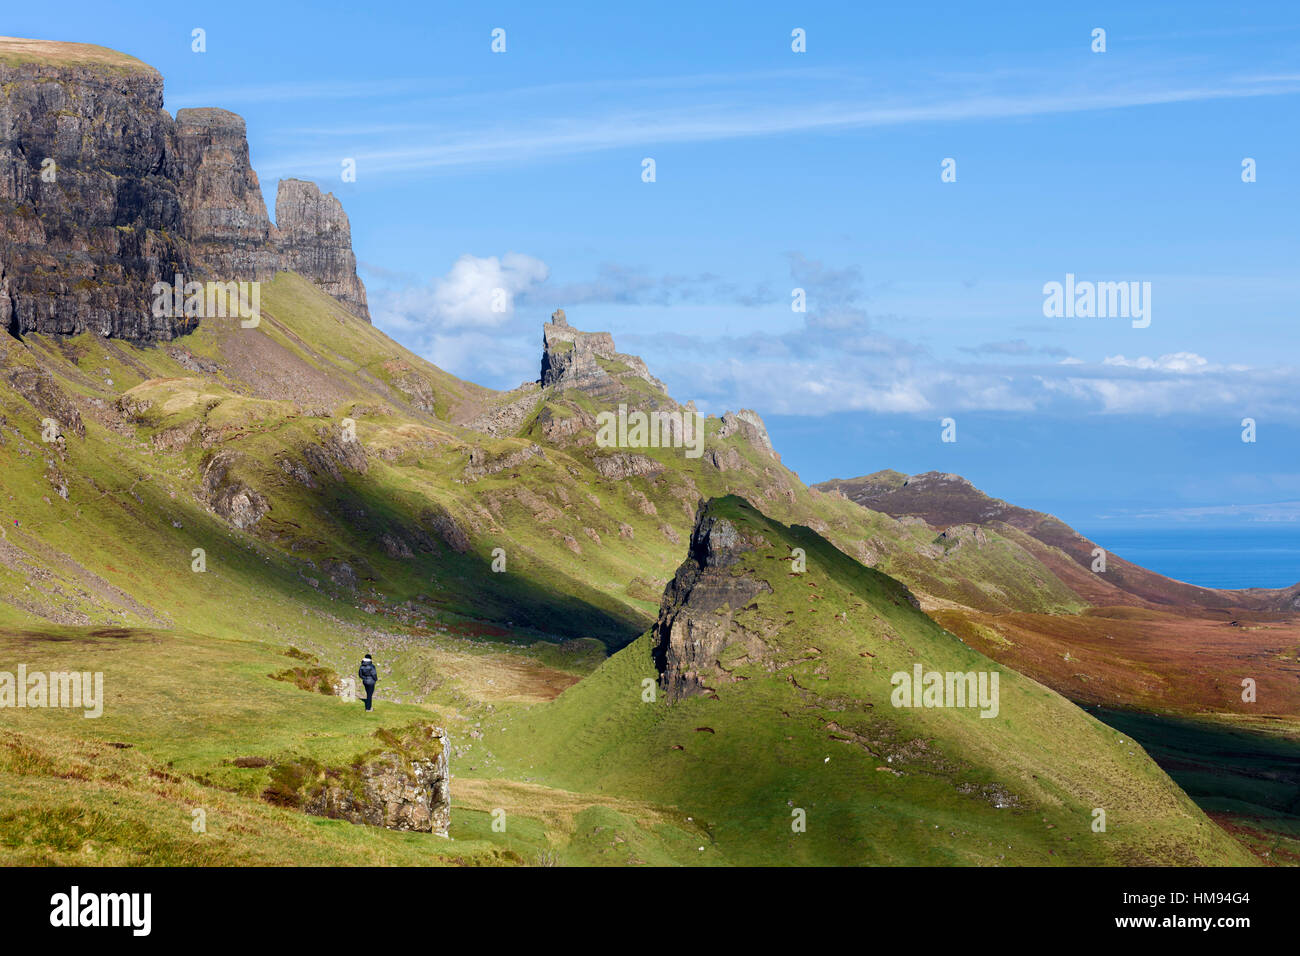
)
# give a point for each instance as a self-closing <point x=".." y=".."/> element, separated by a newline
<point x="774" y="733"/>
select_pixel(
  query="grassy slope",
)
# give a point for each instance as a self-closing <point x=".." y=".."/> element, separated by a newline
<point x="544" y="513"/>
<point x="771" y="748"/>
<point x="185" y="707"/>
<point x="118" y="550"/>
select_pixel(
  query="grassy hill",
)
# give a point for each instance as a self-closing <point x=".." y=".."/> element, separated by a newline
<point x="343" y="505"/>
<point x="166" y="437"/>
<point x="16" y="51"/>
<point x="808" y="725"/>
<point x="598" y="775"/>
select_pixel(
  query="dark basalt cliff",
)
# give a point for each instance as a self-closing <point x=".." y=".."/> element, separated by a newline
<point x="90" y="200"/>
<point x="103" y="194"/>
<point x="223" y="211"/>
<point x="696" y="616"/>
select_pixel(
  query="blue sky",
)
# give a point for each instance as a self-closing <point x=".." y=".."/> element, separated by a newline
<point x="820" y="170"/>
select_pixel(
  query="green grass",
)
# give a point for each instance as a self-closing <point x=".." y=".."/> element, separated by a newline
<point x="592" y="777"/>
<point x="768" y="750"/>
<point x="1250" y="774"/>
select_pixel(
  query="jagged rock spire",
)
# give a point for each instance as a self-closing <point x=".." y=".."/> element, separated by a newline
<point x="587" y="360"/>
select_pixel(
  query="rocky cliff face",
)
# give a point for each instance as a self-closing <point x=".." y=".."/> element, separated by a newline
<point x="223" y="212"/>
<point x="102" y="194"/>
<point x="588" y="361"/>
<point x="90" y="200"/>
<point x="316" y="241"/>
<point x="749" y="426"/>
<point x="696" y="616"/>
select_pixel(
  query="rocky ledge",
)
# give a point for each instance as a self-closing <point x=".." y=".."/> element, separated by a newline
<point x="401" y="785"/>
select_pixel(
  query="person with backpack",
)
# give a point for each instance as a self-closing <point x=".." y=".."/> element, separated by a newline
<point x="369" y="677"/>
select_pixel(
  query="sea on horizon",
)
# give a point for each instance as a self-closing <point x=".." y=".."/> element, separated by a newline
<point x="1247" y="556"/>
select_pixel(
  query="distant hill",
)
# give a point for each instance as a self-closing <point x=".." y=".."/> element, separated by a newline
<point x="943" y="501"/>
<point x="775" y="710"/>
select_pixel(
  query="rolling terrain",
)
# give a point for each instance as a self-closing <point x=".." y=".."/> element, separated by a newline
<point x="1165" y="660"/>
<point x="221" y="518"/>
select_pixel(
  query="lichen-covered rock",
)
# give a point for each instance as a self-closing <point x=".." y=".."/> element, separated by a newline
<point x="334" y="454"/>
<point x="481" y="463"/>
<point x="507" y="418"/>
<point x="403" y="785"/>
<point x="749" y="426"/>
<point x="447" y="528"/>
<point x="625" y="465"/>
<point x="46" y="397"/>
<point x="725" y="459"/>
<point x="413" y="386"/>
<point x="954" y="537"/>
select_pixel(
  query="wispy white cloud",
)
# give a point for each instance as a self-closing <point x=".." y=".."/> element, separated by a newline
<point x="529" y="129"/>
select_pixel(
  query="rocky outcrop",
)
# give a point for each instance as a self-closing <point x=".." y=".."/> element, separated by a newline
<point x="43" y="393"/>
<point x="588" y="361"/>
<point x="103" y="194"/>
<point x="724" y="459"/>
<point x="955" y="537"/>
<point x="90" y="204"/>
<point x="440" y="520"/>
<point x="481" y="463"/>
<point x="404" y="785"/>
<point x="696" y="616"/>
<point x="749" y="426"/>
<point x="334" y="454"/>
<point x="223" y="213"/>
<point x="623" y="464"/>
<point x="228" y="495"/>
<point x="316" y="242"/>
<point x="508" y="417"/>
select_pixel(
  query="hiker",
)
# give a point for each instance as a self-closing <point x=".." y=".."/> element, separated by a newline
<point x="369" y="676"/>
